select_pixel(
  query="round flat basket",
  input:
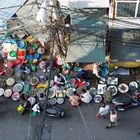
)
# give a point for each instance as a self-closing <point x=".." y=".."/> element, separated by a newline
<point x="2" y="83"/>
<point x="79" y="89"/>
<point x="1" y="91"/>
<point x="93" y="91"/>
<point x="123" y="88"/>
<point x="60" y="100"/>
<point x="40" y="92"/>
<point x="40" y="50"/>
<point x="52" y="101"/>
<point x="52" y="93"/>
<point x="32" y="100"/>
<point x="70" y="91"/>
<point x="98" y="98"/>
<point x="10" y="81"/>
<point x="8" y="93"/>
<point x="25" y="95"/>
<point x="15" y="96"/>
<point x="133" y="85"/>
<point x="42" y="79"/>
<point x="34" y="81"/>
<point x="9" y="71"/>
<point x="113" y="90"/>
<point x="17" y="87"/>
<point x="33" y="92"/>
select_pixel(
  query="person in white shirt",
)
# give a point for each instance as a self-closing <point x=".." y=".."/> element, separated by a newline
<point x="104" y="110"/>
<point x="36" y="108"/>
<point x="113" y="118"/>
<point x="59" y="79"/>
<point x="86" y="96"/>
<point x="96" y="69"/>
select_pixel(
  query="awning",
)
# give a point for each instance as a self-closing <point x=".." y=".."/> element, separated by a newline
<point x="89" y="49"/>
<point x="125" y="45"/>
<point x="7" y="13"/>
<point x="87" y="42"/>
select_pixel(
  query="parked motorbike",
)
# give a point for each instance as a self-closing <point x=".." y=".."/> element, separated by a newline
<point x="54" y="112"/>
<point x="124" y="102"/>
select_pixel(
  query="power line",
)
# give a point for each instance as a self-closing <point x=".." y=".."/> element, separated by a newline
<point x="83" y="12"/>
<point x="95" y="16"/>
<point x="1" y="8"/>
<point x="103" y="37"/>
<point x="89" y="33"/>
<point x="116" y="40"/>
<point x="30" y="10"/>
<point x="79" y="11"/>
<point x="91" y="26"/>
<point x="52" y="34"/>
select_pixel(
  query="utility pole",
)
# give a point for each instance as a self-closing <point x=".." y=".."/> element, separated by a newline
<point x="53" y="21"/>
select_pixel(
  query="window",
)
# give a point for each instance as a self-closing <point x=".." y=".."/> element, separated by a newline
<point x="128" y="8"/>
<point x="138" y="14"/>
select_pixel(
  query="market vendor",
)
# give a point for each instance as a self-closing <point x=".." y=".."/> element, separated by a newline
<point x="36" y="108"/>
<point x="59" y="79"/>
<point x="74" y="100"/>
<point x="80" y="82"/>
<point x="96" y="69"/>
<point x="103" y="72"/>
<point x="81" y="73"/>
<point x="85" y="96"/>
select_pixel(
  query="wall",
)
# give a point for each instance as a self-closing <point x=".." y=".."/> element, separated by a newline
<point x="85" y="3"/>
<point x="115" y="22"/>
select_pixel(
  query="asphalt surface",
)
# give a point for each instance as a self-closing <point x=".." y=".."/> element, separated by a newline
<point x="78" y="124"/>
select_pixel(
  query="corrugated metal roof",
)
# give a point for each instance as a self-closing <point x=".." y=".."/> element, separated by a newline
<point x="6" y="14"/>
<point x="9" y="12"/>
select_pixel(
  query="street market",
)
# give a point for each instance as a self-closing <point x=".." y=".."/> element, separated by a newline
<point x="69" y="59"/>
<point x="25" y="69"/>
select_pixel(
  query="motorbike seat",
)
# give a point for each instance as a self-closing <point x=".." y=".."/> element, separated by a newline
<point x="52" y="111"/>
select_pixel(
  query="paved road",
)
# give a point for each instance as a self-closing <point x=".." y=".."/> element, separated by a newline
<point x="78" y="124"/>
<point x="87" y="127"/>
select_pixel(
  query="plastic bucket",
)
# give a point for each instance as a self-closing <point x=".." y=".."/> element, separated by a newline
<point x="21" y="53"/>
<point x="22" y="44"/>
<point x="35" y="45"/>
<point x="28" y="56"/>
<point x="8" y="93"/>
<point x="13" y="53"/>
<point x="36" y="55"/>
